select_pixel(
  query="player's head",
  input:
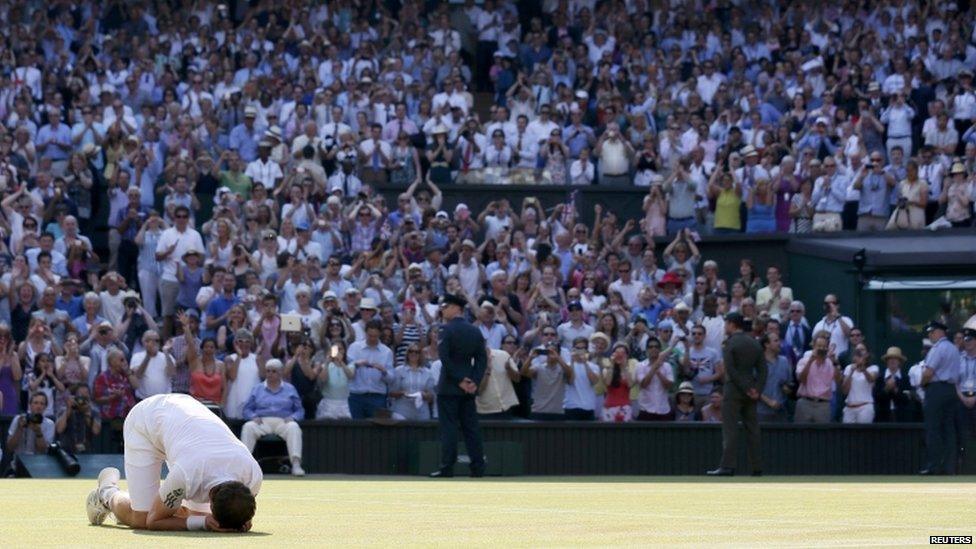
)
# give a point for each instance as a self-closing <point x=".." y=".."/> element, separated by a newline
<point x="232" y="504"/>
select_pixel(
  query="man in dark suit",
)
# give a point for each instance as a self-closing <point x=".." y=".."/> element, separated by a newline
<point x="892" y="390"/>
<point x="745" y="377"/>
<point x="463" y="363"/>
<point x="796" y="334"/>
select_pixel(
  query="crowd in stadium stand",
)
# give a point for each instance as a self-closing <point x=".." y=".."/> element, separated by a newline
<point x="235" y="154"/>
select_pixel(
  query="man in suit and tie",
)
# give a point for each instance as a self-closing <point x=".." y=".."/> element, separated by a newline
<point x="745" y="377"/>
<point x="795" y="332"/>
<point x="463" y="362"/>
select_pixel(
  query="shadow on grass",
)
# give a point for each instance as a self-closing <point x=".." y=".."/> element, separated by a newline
<point x="793" y="479"/>
<point x="198" y="534"/>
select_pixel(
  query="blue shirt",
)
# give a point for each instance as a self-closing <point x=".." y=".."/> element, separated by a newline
<point x="874" y="196"/>
<point x="220" y="305"/>
<point x="832" y="200"/>
<point x="264" y="402"/>
<point x="813" y="141"/>
<point x="60" y="135"/>
<point x="368" y="379"/>
<point x="73" y="307"/>
<point x="778" y="374"/>
<point x="245" y="142"/>
<point x="943" y="359"/>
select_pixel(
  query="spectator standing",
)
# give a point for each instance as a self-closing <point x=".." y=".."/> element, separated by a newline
<point x="655" y="377"/>
<point x="412" y="388"/>
<point x="892" y="390"/>
<point x="857" y="384"/>
<point x="579" y="400"/>
<point x="613" y="153"/>
<point x="333" y="382"/>
<point x="550" y="371"/>
<point x="172" y="245"/>
<point x="245" y="370"/>
<point x="373" y="362"/>
<point x="816" y="374"/>
<point x="772" y="402"/>
<point x="497" y="398"/>
<point x="153" y="368"/>
<point x="837" y="326"/>
<point x="616" y="377"/>
<point x="875" y="187"/>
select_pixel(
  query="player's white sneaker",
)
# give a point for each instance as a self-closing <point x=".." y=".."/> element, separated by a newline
<point x="97" y="512"/>
<point x="296" y="470"/>
<point x="108" y="483"/>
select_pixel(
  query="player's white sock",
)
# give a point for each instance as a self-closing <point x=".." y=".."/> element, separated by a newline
<point x="106" y="493"/>
<point x="108" y="484"/>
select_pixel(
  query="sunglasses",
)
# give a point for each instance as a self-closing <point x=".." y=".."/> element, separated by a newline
<point x="182" y="216"/>
<point x="549" y="334"/>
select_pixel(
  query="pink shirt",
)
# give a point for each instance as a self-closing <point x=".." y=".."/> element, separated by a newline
<point x="820" y="381"/>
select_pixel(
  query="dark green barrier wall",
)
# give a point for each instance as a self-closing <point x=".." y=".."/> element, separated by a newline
<point x="574" y="448"/>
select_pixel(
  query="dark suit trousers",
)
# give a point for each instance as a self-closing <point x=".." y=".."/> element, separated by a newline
<point x="454" y="411"/>
<point x="941" y="407"/>
<point x="736" y="408"/>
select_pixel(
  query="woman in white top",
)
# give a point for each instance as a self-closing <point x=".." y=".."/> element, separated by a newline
<point x="857" y="385"/>
<point x="222" y="246"/>
<point x="266" y="256"/>
<point x="244" y="372"/>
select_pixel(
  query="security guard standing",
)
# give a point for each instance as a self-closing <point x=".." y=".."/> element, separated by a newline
<point x="463" y="362"/>
<point x="939" y="376"/>
<point x="745" y="377"/>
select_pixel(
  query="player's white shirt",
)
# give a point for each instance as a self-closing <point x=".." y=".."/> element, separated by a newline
<point x="200" y="450"/>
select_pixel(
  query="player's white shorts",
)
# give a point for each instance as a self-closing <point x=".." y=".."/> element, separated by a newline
<point x="144" y="463"/>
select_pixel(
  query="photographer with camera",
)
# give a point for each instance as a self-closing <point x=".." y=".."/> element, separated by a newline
<point x="31" y="433"/>
<point x="80" y="422"/>
<point x="550" y="370"/>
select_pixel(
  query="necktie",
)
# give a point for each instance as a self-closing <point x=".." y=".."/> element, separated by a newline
<point x="345" y="185"/>
<point x="376" y="155"/>
<point x="797" y="340"/>
<point x="468" y="152"/>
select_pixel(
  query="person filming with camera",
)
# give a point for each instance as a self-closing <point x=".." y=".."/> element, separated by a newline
<point x="80" y="422"/>
<point x="31" y="433"/>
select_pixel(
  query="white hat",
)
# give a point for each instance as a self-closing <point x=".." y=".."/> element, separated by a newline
<point x="250" y="111"/>
<point x="367" y="303"/>
<point x="461" y="206"/>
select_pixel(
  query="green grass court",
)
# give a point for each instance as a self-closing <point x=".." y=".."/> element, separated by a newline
<point x="534" y="512"/>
